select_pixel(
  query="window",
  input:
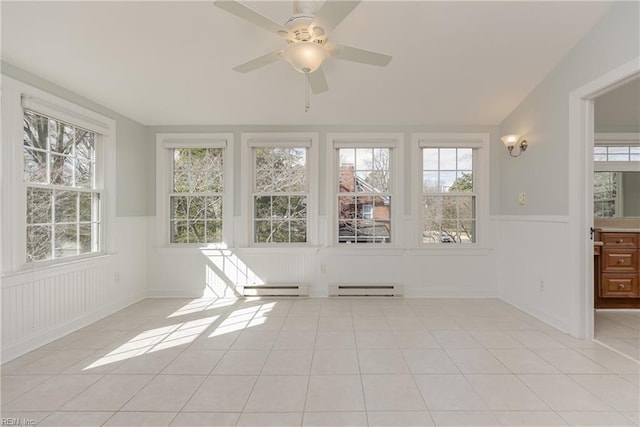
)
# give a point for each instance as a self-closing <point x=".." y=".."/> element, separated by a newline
<point x="280" y="195"/>
<point x="194" y="202"/>
<point x="452" y="180"/>
<point x="62" y="194"/>
<point x="605" y="194"/>
<point x="365" y="188"/>
<point x="196" y="198"/>
<point x="448" y="195"/>
<point x="281" y="189"/>
<point x="364" y="200"/>
<point x="611" y="153"/>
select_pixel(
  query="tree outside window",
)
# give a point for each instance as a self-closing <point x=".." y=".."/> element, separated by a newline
<point x="197" y="194"/>
<point x="63" y="201"/>
<point x="280" y="195"/>
<point x="448" y="196"/>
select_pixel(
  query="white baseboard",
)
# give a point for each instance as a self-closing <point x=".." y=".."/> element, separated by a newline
<point x="53" y="333"/>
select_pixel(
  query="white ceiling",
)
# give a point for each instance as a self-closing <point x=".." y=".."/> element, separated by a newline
<point x="169" y="63"/>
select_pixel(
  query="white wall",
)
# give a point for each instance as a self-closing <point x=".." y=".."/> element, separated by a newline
<point x="535" y="239"/>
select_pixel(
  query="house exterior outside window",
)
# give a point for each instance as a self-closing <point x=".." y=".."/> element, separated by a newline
<point x="366" y="194"/>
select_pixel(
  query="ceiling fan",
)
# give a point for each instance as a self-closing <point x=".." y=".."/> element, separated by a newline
<point x="306" y="34"/>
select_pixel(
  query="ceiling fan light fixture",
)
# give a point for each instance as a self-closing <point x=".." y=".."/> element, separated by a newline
<point x="305" y="57"/>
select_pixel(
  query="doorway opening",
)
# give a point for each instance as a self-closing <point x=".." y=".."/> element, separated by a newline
<point x="581" y="204"/>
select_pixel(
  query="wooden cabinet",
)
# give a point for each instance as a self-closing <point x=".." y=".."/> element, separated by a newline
<point x="618" y="277"/>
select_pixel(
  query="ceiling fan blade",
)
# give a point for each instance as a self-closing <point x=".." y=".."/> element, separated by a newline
<point x="259" y="62"/>
<point x="318" y="82"/>
<point x="248" y="14"/>
<point x="354" y="54"/>
<point x="332" y="13"/>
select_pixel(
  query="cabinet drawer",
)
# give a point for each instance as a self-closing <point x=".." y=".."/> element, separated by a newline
<point x="619" y="260"/>
<point x="620" y="240"/>
<point x="619" y="285"/>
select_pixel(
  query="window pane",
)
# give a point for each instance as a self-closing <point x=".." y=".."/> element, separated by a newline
<point x="262" y="231"/>
<point x="364" y="159"/>
<point x="448" y="159"/>
<point x="85" y="238"/>
<point x="214" y="231"/>
<point x="38" y="243"/>
<point x="35" y="131"/>
<point x="465" y="158"/>
<point x="195" y="208"/>
<point x="179" y="232"/>
<point x="89" y="206"/>
<point x="179" y="207"/>
<point x="35" y="165"/>
<point x="61" y="137"/>
<point x="85" y="145"/>
<point x="430" y="182"/>
<point x="298" y="207"/>
<point x="262" y="207"/>
<point x="298" y="231"/>
<point x="279" y="206"/>
<point x="39" y="206"/>
<point x="430" y="159"/>
<point x="61" y="169"/>
<point x="84" y="174"/>
<point x="618" y="157"/>
<point x="618" y="150"/>
<point x="196" y="231"/>
<point x="66" y="240"/>
<point x="181" y="182"/>
<point x="66" y="205"/>
<point x="446" y="181"/>
<point x="600" y="150"/>
<point x="214" y="208"/>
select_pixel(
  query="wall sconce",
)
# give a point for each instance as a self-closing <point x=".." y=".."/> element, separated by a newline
<point x="511" y="141"/>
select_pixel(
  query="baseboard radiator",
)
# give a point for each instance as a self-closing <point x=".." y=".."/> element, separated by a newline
<point x="365" y="290"/>
<point x="275" y="290"/>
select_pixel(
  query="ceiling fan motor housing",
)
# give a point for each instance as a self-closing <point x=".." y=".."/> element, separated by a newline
<point x="299" y="23"/>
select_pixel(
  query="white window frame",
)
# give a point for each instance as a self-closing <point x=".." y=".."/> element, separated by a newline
<point x="480" y="143"/>
<point x="16" y="97"/>
<point x="251" y="140"/>
<point x="393" y="141"/>
<point x="165" y="143"/>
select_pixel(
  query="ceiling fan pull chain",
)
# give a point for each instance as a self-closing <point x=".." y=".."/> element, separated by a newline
<point x="306" y="105"/>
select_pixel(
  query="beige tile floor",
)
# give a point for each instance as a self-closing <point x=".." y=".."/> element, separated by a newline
<point x="620" y="330"/>
<point x="321" y="362"/>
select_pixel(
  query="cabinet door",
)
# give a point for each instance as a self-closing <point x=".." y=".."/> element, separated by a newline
<point x="619" y="286"/>
<point x="619" y="260"/>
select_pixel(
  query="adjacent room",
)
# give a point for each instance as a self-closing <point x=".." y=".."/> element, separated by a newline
<point x="320" y="213"/>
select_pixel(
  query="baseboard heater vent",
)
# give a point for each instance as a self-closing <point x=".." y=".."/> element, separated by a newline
<point x="269" y="290"/>
<point x="365" y="290"/>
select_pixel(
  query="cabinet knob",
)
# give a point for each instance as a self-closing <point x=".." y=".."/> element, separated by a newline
<point x="621" y="286"/>
<point x="620" y="241"/>
<point x="621" y="261"/>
